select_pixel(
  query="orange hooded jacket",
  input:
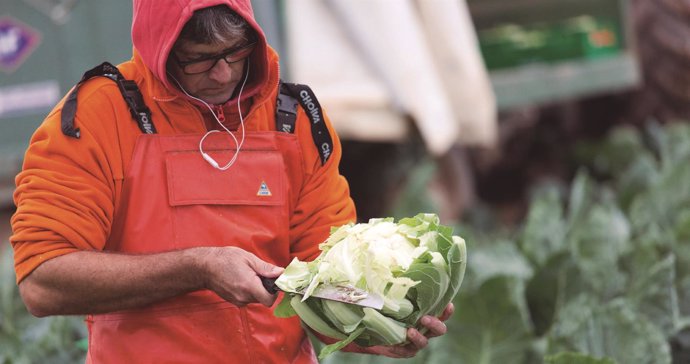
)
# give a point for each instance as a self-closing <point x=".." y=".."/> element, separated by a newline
<point x="70" y="190"/>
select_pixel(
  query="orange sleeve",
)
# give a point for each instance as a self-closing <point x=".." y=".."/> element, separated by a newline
<point x="324" y="200"/>
<point x="64" y="194"/>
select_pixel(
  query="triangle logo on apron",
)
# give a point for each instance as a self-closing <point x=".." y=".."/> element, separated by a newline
<point x="263" y="190"/>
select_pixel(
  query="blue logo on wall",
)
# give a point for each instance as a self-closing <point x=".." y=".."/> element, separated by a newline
<point x="17" y="41"/>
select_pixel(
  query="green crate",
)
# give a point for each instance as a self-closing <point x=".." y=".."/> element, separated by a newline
<point x="583" y="37"/>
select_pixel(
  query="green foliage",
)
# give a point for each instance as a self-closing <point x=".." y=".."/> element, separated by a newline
<point x="599" y="274"/>
<point x="492" y="325"/>
<point x="26" y="339"/>
<point x="576" y="358"/>
<point x="612" y="329"/>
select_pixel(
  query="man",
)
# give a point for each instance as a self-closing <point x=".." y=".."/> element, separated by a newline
<point x="160" y="229"/>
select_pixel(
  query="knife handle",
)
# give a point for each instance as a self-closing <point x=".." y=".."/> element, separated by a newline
<point x="269" y="284"/>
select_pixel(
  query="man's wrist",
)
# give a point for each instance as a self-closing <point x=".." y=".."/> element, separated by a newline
<point x="196" y="260"/>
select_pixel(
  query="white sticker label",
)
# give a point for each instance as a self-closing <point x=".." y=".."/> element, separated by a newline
<point x="28" y="98"/>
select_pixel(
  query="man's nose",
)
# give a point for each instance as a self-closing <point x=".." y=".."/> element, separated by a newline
<point x="220" y="72"/>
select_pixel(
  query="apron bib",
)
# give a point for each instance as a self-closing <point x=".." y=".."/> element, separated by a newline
<point x="173" y="199"/>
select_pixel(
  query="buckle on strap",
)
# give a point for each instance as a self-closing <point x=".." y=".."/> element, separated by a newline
<point x="286" y="104"/>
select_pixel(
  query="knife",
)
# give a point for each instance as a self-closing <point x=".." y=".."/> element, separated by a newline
<point x="341" y="293"/>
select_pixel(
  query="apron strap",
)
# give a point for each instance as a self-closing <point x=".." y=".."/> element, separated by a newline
<point x="286" y="110"/>
<point x="286" y="113"/>
<point x="129" y="90"/>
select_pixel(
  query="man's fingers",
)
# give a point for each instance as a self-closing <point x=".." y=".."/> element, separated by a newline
<point x="436" y="327"/>
<point x="263" y="269"/>
<point x="398" y="352"/>
<point x="254" y="289"/>
<point x="447" y="312"/>
<point x="261" y="294"/>
<point x="417" y="340"/>
<point x="404" y="352"/>
<point x="267" y="300"/>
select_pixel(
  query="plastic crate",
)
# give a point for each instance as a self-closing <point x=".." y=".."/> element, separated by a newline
<point x="544" y="51"/>
<point x="584" y="37"/>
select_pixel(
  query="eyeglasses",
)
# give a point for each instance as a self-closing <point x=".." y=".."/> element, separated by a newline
<point x="204" y="64"/>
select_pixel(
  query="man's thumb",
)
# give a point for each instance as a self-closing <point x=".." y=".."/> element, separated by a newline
<point x="266" y="269"/>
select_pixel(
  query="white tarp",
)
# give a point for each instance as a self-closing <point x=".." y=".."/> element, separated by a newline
<point x="375" y="64"/>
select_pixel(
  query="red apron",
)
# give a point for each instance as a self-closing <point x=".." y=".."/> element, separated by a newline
<point x="173" y="199"/>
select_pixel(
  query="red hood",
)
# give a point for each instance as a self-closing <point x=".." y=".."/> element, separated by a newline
<point x="156" y="25"/>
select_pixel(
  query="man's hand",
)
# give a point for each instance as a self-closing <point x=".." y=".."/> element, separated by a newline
<point x="417" y="341"/>
<point x="233" y="273"/>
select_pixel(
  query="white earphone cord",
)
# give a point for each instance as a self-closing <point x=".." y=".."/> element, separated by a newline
<point x="207" y="157"/>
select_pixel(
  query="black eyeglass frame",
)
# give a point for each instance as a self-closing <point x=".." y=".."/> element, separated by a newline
<point x="217" y="57"/>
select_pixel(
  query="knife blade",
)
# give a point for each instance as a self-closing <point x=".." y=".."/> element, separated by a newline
<point x="341" y="293"/>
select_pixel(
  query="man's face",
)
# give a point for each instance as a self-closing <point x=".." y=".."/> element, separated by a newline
<point x="203" y="71"/>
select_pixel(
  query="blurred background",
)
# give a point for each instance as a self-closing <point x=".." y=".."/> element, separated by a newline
<point x="552" y="134"/>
